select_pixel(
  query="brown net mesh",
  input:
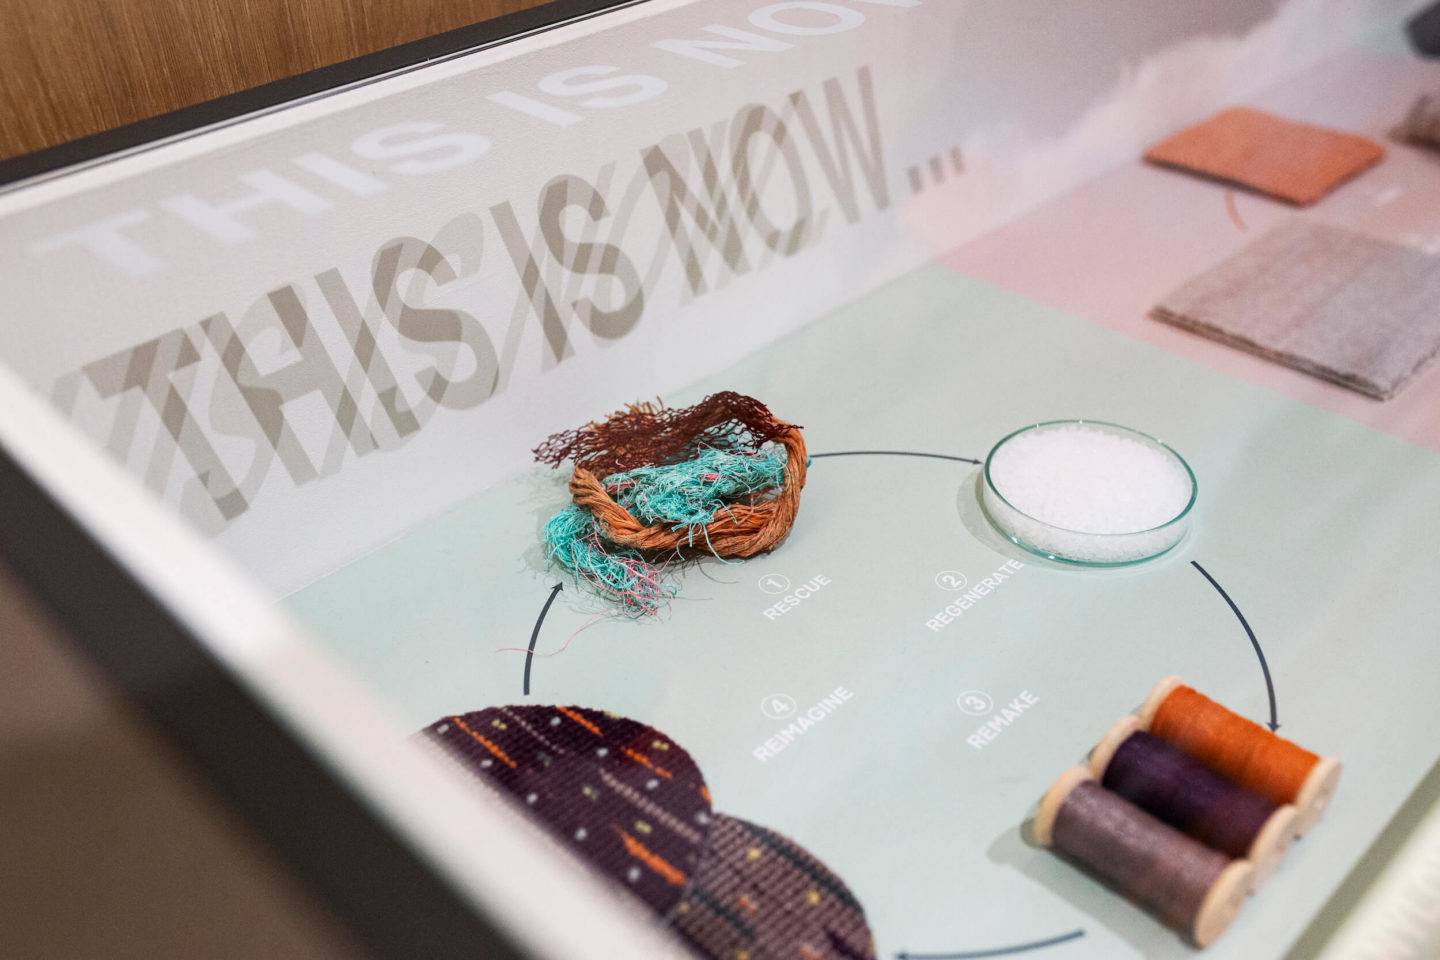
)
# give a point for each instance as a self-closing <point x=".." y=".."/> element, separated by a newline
<point x="649" y="435"/>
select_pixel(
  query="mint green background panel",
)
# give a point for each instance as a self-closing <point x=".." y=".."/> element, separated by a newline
<point x="1324" y="533"/>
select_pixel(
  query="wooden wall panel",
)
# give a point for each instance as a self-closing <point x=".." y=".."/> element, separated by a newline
<point x="74" y="67"/>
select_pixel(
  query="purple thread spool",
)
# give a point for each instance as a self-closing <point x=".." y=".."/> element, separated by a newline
<point x="1183" y="883"/>
<point x="1166" y="782"/>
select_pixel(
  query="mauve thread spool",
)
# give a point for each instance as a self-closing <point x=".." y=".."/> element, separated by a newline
<point x="1182" y="882"/>
<point x="1242" y="750"/>
<point x="1165" y="781"/>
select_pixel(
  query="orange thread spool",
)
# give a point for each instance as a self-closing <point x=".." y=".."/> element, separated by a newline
<point x="1242" y="750"/>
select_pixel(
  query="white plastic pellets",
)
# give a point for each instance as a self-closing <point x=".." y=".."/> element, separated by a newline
<point x="1086" y="492"/>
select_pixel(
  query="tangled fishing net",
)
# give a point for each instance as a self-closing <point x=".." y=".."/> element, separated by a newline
<point x="653" y="487"/>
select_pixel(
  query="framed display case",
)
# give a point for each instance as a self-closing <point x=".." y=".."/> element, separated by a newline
<point x="276" y="372"/>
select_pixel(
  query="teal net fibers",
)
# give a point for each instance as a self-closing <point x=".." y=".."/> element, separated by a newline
<point x="684" y="496"/>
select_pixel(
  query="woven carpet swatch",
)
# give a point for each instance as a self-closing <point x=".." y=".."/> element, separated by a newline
<point x="615" y="791"/>
<point x="757" y="895"/>
<point x="1288" y="160"/>
<point x="1360" y="312"/>
<point x="631" y="802"/>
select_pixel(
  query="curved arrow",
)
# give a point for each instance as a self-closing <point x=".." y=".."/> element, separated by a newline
<point x="997" y="951"/>
<point x="535" y="634"/>
<point x="1273" y="723"/>
<point x="893" y="453"/>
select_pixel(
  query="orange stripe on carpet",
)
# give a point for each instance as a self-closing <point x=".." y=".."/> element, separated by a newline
<point x="495" y="751"/>
<point x="580" y="720"/>
<point x="644" y="761"/>
<point x="652" y="860"/>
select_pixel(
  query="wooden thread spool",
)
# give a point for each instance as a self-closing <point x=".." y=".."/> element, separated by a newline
<point x="1182" y="882"/>
<point x="1241" y="749"/>
<point x="1169" y="784"/>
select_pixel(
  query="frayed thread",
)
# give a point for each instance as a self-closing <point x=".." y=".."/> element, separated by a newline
<point x="684" y="496"/>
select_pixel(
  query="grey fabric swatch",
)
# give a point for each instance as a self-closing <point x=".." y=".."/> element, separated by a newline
<point x="1360" y="312"/>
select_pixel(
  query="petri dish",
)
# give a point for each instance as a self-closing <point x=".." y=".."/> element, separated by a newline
<point x="1088" y="492"/>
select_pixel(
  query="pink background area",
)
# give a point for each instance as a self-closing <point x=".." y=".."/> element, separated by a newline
<point x="1109" y="250"/>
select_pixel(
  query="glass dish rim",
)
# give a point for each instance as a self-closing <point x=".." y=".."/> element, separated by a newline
<point x="1184" y="512"/>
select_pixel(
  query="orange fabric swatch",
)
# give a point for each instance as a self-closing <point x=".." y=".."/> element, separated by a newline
<point x="1288" y="160"/>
